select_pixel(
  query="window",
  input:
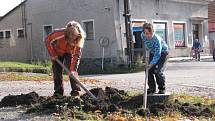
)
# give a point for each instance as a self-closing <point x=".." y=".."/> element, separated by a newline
<point x="47" y="29"/>
<point x="89" y="29"/>
<point x="20" y="32"/>
<point x="179" y="34"/>
<point x="161" y="29"/>
<point x="7" y="34"/>
<point x="1" y="34"/>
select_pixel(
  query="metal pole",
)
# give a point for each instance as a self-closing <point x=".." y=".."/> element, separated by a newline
<point x="146" y="80"/>
<point x="103" y="53"/>
<point x="128" y="31"/>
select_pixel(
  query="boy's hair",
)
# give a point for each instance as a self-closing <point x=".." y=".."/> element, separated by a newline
<point x="149" y="27"/>
<point x="75" y="26"/>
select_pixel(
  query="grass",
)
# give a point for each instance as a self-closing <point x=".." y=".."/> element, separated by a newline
<point x="13" y="76"/>
<point x="114" y="70"/>
<point x="47" y="65"/>
<point x="172" y="116"/>
<point x="185" y="98"/>
<point x="11" y="64"/>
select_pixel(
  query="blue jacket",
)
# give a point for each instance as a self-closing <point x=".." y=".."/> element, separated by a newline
<point x="155" y="46"/>
<point x="196" y="45"/>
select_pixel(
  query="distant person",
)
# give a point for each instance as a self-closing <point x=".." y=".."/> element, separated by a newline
<point x="158" y="50"/>
<point x="196" y="48"/>
<point x="66" y="44"/>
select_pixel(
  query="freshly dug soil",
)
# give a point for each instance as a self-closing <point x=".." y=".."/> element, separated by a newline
<point x="23" y="99"/>
<point x="109" y="100"/>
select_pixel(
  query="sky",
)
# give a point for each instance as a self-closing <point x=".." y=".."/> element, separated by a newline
<point x="7" y="5"/>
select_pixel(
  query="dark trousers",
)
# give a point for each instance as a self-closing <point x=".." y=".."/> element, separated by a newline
<point x="58" y="77"/>
<point x="157" y="72"/>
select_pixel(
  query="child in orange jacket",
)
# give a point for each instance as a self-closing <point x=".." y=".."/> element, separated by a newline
<point x="66" y="45"/>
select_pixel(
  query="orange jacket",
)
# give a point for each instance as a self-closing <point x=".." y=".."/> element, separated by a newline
<point x="58" y="46"/>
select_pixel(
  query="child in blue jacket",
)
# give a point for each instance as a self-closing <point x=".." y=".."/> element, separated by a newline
<point x="158" y="50"/>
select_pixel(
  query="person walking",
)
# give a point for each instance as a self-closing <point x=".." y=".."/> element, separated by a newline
<point x="196" y="49"/>
<point x="158" y="51"/>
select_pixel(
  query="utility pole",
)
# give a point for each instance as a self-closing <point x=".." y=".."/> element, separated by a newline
<point x="127" y="16"/>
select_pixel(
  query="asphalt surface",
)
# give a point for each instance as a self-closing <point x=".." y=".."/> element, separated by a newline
<point x="193" y="78"/>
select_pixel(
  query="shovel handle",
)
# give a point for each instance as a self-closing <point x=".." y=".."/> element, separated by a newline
<point x="146" y="80"/>
<point x="75" y="79"/>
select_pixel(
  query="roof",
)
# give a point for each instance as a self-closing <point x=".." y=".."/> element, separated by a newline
<point x="2" y="17"/>
<point x="194" y="1"/>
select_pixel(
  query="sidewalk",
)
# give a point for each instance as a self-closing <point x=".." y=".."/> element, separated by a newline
<point x="176" y="59"/>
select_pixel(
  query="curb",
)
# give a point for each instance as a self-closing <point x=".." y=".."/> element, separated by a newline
<point x="186" y="59"/>
<point x="33" y="70"/>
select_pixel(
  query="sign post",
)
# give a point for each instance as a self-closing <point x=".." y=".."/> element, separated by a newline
<point x="103" y="42"/>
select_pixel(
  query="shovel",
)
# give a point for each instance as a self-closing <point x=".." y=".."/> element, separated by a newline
<point x="146" y="80"/>
<point x="75" y="79"/>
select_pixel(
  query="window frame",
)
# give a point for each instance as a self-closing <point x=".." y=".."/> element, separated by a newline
<point x="45" y="25"/>
<point x="2" y="35"/>
<point x="166" y="26"/>
<point x="83" y="24"/>
<point x="184" y="32"/>
<point x="5" y="34"/>
<point x="17" y="32"/>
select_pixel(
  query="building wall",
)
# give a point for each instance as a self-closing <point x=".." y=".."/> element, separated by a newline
<point x="13" y="48"/>
<point x="170" y="11"/>
<point x="59" y="12"/>
<point x="211" y="25"/>
<point x="108" y="23"/>
<point x="211" y="13"/>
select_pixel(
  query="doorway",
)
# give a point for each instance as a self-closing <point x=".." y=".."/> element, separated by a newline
<point x="138" y="51"/>
<point x="195" y="31"/>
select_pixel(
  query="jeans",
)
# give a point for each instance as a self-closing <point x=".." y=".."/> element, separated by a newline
<point x="58" y="77"/>
<point x="157" y="72"/>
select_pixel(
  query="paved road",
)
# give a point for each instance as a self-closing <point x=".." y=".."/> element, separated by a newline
<point x="195" y="78"/>
<point x="190" y="77"/>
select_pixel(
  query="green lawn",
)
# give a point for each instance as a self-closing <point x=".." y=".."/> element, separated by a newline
<point x="40" y="65"/>
<point x="10" y="64"/>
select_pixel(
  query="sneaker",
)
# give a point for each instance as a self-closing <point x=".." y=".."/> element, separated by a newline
<point x="149" y="91"/>
<point x="74" y="93"/>
<point x="161" y="92"/>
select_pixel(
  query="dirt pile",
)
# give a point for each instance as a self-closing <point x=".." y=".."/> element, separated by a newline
<point x="23" y="99"/>
<point x="110" y="100"/>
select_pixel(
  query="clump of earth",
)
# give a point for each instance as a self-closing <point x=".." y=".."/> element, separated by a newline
<point x="109" y="100"/>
